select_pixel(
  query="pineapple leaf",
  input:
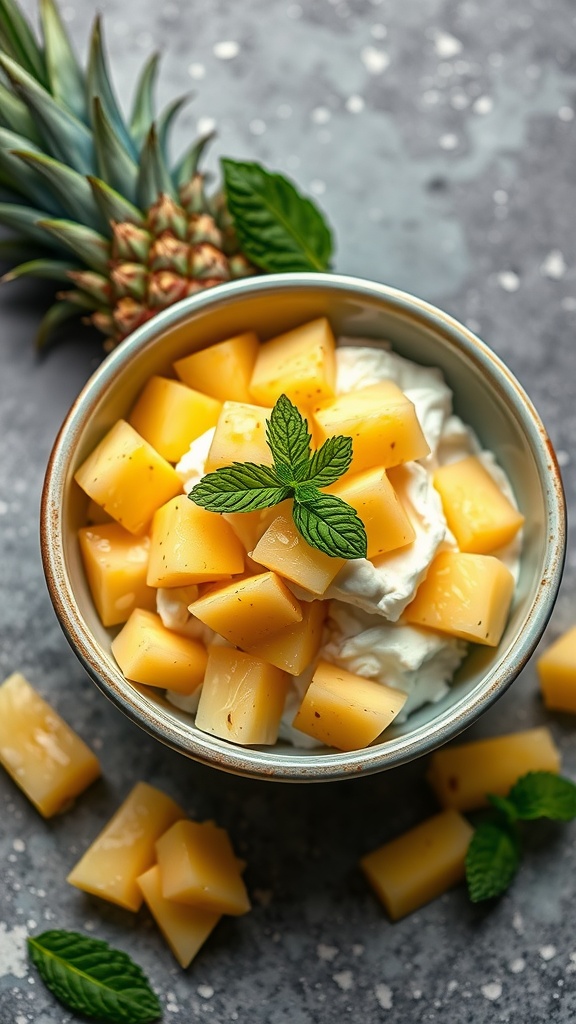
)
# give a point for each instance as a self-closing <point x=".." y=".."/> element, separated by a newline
<point x="165" y="119"/>
<point x="89" y="246"/>
<point x="67" y="83"/>
<point x="54" y="270"/>
<point x="142" y="114"/>
<point x="154" y="176"/>
<point x="56" y="315"/>
<point x="14" y="115"/>
<point x="21" y="178"/>
<point x="80" y="299"/>
<point x="14" y="251"/>
<point x="188" y="163"/>
<point x="115" y="164"/>
<point x="25" y="221"/>
<point x="112" y="205"/>
<point x="17" y="39"/>
<point x="71" y="190"/>
<point x="100" y="86"/>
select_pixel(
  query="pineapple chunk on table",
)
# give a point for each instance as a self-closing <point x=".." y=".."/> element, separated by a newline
<point x="171" y="415"/>
<point x="125" y="848"/>
<point x="222" y="370"/>
<point x="185" y="928"/>
<point x="479" y="515"/>
<point x="283" y="549"/>
<point x="556" y="669"/>
<point x="248" y="611"/>
<point x="190" y="545"/>
<point x="240" y="436"/>
<point x="198" y="867"/>
<point x="300" y="364"/>
<point x="116" y="563"/>
<point x="127" y="477"/>
<point x="295" y="647"/>
<point x="465" y="595"/>
<point x="379" y="507"/>
<point x="242" y="697"/>
<point x="44" y="756"/>
<point x="152" y="655"/>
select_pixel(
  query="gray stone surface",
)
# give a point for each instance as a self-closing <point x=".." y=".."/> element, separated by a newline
<point x="440" y="138"/>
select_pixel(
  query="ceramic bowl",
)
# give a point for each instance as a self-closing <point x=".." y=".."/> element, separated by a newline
<point x="487" y="397"/>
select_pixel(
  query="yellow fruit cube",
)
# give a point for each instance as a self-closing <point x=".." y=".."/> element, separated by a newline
<point x="124" y="849"/>
<point x="420" y="865"/>
<point x="242" y="697"/>
<point x="249" y="526"/>
<point x="185" y="928"/>
<point x="249" y="610"/>
<point x="381" y="421"/>
<point x="191" y="545"/>
<point x="44" y="756"/>
<point x="461" y="775"/>
<point x="379" y="507"/>
<point x="300" y="364"/>
<point x="127" y="478"/>
<point x="346" y="711"/>
<point x="283" y="549"/>
<point x="557" y="672"/>
<point x="478" y="513"/>
<point x="116" y="563"/>
<point x="198" y="867"/>
<point x="150" y="654"/>
<point x="294" y="647"/>
<point x="465" y="595"/>
<point x="170" y="416"/>
<point x="223" y="370"/>
<point x="240" y="436"/>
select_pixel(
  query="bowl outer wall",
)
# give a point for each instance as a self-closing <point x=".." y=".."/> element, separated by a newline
<point x="367" y="307"/>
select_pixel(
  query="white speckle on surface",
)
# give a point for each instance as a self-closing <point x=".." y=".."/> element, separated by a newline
<point x="326" y="953"/>
<point x="196" y="71"/>
<point x="19" y="845"/>
<point x="13" y="957"/>
<point x="483" y="105"/>
<point x="383" y="995"/>
<point x="553" y="265"/>
<point x="508" y="280"/>
<point x="379" y="31"/>
<point x="451" y="987"/>
<point x="205" y="991"/>
<point x="448" y="141"/>
<point x="355" y="104"/>
<point x="357" y="949"/>
<point x="21" y="1020"/>
<point x="548" y="952"/>
<point x="226" y="50"/>
<point x="344" y="980"/>
<point x="257" y="126"/>
<point x="518" y="923"/>
<point x="172" y="1007"/>
<point x="3" y="508"/>
<point x="492" y="991"/>
<point x="500" y="197"/>
<point x="446" y="45"/>
<point x="517" y="966"/>
<point x="318" y="187"/>
<point x="320" y="115"/>
<point x="416" y="993"/>
<point x="374" y="60"/>
<point x="204" y="125"/>
<point x="284" y="111"/>
<point x="563" y="457"/>
<point x="566" y="114"/>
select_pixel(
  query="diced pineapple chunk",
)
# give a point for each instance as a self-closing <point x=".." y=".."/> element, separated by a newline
<point x="478" y="513"/>
<point x="124" y="849"/>
<point x="420" y="865"/>
<point x="249" y="526"/>
<point x="191" y="545"/>
<point x="294" y="647"/>
<point x="248" y="611"/>
<point x="465" y="595"/>
<point x="557" y="672"/>
<point x="379" y="507"/>
<point x="300" y="364"/>
<point x="185" y="928"/>
<point x="170" y="416"/>
<point x="198" y="867"/>
<point x="127" y="478"/>
<point x="116" y="563"/>
<point x="223" y="370"/>
<point x="346" y="711"/>
<point x="242" y="697"/>
<point x="381" y="421"/>
<point x="283" y="549"/>
<point x="240" y="436"/>
<point x="150" y="654"/>
<point x="44" y="756"/>
<point x="462" y="775"/>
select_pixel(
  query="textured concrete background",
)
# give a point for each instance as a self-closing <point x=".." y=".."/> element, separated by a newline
<point x="440" y="138"/>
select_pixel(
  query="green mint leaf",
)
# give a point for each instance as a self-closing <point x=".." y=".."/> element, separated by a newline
<point x="505" y="807"/>
<point x="544" y="795"/>
<point x="492" y="860"/>
<point x="91" y="978"/>
<point x="288" y="439"/>
<point x="241" y="487"/>
<point x="330" y="462"/>
<point x="329" y="524"/>
<point x="278" y="228"/>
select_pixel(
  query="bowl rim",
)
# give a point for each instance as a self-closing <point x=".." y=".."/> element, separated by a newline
<point x="266" y="763"/>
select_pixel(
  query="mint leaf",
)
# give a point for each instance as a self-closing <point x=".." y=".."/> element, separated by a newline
<point x="288" y="439"/>
<point x="278" y="228"/>
<point x="241" y="487"/>
<point x="329" y="524"/>
<point x="492" y="860"/>
<point x="330" y="462"/>
<point x="91" y="978"/>
<point x="504" y="806"/>
<point x="544" y="795"/>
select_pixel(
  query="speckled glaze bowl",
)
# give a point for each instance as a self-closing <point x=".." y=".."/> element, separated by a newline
<point x="487" y="397"/>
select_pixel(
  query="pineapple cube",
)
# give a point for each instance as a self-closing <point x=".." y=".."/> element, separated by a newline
<point x="479" y="515"/>
<point x="223" y="370"/>
<point x="249" y="610"/>
<point x="379" y="507"/>
<point x="295" y="647"/>
<point x="249" y="526"/>
<point x="116" y="563"/>
<point x="300" y="364"/>
<point x="127" y="478"/>
<point x="198" y="867"/>
<point x="381" y="421"/>
<point x="419" y="865"/>
<point x="44" y="756"/>
<point x="346" y="711"/>
<point x="240" y="436"/>
<point x="124" y="849"/>
<point x="185" y="928"/>
<point x="150" y="654"/>
<point x="461" y="775"/>
<point x="283" y="549"/>
<point x="190" y="545"/>
<point x="557" y="671"/>
<point x="242" y="698"/>
<point x="170" y="416"/>
<point x="465" y="595"/>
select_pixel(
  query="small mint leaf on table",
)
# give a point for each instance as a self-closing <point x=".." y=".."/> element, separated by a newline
<point x="329" y="462"/>
<point x="492" y="860"/>
<point x="288" y="439"/>
<point x="544" y="795"/>
<point x="241" y="487"/>
<point x="331" y="525"/>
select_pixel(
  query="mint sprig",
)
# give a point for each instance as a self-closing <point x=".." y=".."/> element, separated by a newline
<point x="325" y="521"/>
